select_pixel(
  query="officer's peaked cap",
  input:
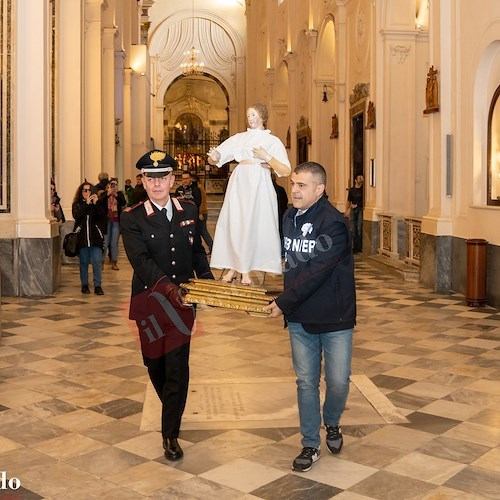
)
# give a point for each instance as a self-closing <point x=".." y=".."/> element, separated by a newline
<point x="156" y="163"/>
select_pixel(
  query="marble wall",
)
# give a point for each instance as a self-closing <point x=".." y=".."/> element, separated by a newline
<point x="30" y="267"/>
<point x="435" y="262"/>
<point x="402" y="246"/>
<point x="493" y="275"/>
<point x="371" y="237"/>
<point x="459" y="259"/>
<point x="9" y="267"/>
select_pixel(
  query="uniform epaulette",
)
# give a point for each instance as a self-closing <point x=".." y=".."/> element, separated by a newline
<point x="129" y="209"/>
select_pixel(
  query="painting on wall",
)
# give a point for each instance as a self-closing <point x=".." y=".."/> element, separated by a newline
<point x="303" y="139"/>
<point x="357" y="144"/>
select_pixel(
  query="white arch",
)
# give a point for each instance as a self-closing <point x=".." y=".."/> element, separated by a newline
<point x="485" y="84"/>
<point x="325" y="58"/>
<point x="221" y="49"/>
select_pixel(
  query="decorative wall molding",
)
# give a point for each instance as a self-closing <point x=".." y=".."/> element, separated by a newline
<point x="6" y="98"/>
<point x="400" y="53"/>
<point x="360" y="91"/>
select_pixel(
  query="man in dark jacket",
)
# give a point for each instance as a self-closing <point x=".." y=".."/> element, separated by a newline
<point x="189" y="190"/>
<point x="162" y="244"/>
<point x="319" y="305"/>
<point x="354" y="212"/>
<point x="139" y="191"/>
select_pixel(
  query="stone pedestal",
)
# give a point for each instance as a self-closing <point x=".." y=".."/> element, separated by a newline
<point x="31" y="267"/>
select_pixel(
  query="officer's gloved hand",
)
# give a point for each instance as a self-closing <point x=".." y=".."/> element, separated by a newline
<point x="173" y="293"/>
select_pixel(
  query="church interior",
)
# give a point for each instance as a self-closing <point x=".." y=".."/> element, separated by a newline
<point x="403" y="92"/>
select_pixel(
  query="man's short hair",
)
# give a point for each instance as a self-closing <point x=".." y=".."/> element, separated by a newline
<point x="102" y="175"/>
<point x="315" y="169"/>
<point x="186" y="173"/>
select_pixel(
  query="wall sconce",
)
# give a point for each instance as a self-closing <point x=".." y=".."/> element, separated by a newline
<point x="138" y="58"/>
<point x="150" y="88"/>
<point x="327" y="90"/>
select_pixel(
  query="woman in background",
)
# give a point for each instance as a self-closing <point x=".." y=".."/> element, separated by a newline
<point x="90" y="222"/>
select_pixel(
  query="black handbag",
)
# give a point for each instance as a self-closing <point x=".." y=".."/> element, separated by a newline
<point x="70" y="244"/>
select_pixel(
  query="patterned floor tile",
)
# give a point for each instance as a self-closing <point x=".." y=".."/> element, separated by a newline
<point x="73" y="384"/>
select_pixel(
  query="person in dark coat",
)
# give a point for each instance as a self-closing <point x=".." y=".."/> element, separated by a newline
<point x="90" y="223"/>
<point x="115" y="202"/>
<point x="282" y="207"/>
<point x="139" y="191"/>
<point x="55" y="204"/>
<point x="100" y="187"/>
<point x="162" y="242"/>
<point x="319" y="305"/>
<point x="354" y="212"/>
<point x="189" y="189"/>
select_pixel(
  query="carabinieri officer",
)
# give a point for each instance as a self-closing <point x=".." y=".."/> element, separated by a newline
<point x="163" y="245"/>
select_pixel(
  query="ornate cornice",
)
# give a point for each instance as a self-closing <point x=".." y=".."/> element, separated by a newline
<point x="360" y="91"/>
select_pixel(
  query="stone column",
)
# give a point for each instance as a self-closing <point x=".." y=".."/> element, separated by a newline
<point x="342" y="144"/>
<point x="119" y="139"/>
<point x="396" y="115"/>
<point x="92" y="90"/>
<point x="33" y="261"/>
<point x="108" y="101"/>
<point x="291" y="60"/>
<point x="140" y="132"/>
<point x="436" y="230"/>
<point x="70" y="149"/>
<point x="128" y="162"/>
<point x="157" y="120"/>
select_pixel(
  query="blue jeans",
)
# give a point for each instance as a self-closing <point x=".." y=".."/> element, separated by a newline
<point x="91" y="255"/>
<point x="357" y="228"/>
<point x="111" y="241"/>
<point x="307" y="350"/>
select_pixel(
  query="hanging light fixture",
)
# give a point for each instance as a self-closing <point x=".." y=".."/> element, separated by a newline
<point x="191" y="66"/>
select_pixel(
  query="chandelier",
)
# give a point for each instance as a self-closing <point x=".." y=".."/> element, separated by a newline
<point x="191" y="66"/>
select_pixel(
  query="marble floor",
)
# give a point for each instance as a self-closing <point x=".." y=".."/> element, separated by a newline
<point x="74" y="423"/>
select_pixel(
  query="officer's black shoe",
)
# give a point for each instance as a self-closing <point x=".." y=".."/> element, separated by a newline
<point x="98" y="290"/>
<point x="173" y="451"/>
<point x="85" y="289"/>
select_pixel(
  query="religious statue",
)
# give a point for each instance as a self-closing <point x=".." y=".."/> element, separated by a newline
<point x="335" y="127"/>
<point x="309" y="135"/>
<point x="370" y="116"/>
<point x="431" y="92"/>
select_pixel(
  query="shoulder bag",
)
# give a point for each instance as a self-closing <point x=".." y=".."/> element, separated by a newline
<point x="70" y="244"/>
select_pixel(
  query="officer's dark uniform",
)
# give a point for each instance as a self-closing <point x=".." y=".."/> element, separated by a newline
<point x="164" y="254"/>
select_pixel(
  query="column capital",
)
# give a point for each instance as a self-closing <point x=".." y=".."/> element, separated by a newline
<point x="108" y="37"/>
<point x="93" y="10"/>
